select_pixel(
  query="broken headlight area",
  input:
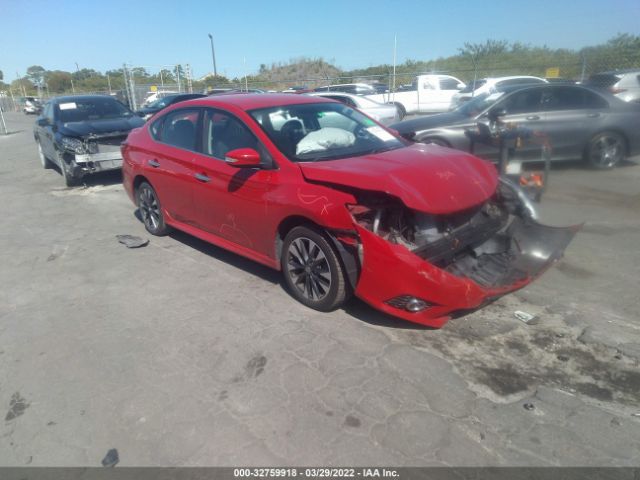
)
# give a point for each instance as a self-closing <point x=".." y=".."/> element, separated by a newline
<point x="495" y="244"/>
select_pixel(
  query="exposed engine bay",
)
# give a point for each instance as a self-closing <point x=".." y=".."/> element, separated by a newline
<point x="494" y="244"/>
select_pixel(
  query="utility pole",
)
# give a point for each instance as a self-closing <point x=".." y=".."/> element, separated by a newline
<point x="213" y="56"/>
<point x="395" y="45"/>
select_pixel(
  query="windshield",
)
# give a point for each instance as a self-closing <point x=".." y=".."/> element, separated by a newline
<point x="160" y="103"/>
<point x="479" y="104"/>
<point x="323" y="131"/>
<point x="81" y="110"/>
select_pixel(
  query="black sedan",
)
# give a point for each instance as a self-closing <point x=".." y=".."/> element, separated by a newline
<point x="82" y="134"/>
<point x="154" y="107"/>
<point x="576" y="121"/>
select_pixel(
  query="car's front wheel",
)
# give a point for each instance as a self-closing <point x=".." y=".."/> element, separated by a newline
<point x="150" y="210"/>
<point x="606" y="150"/>
<point x="312" y="270"/>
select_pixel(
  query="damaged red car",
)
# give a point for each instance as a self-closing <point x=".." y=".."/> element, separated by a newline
<point x="340" y="204"/>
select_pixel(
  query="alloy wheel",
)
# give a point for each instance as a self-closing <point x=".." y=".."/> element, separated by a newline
<point x="309" y="268"/>
<point x="606" y="151"/>
<point x="149" y="208"/>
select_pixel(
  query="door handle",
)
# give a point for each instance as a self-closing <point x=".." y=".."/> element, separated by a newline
<point x="201" y="177"/>
<point x="533" y="117"/>
<point x="593" y="115"/>
<point x="154" y="163"/>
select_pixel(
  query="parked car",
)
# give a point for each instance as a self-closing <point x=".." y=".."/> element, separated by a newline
<point x="624" y="84"/>
<point x="82" y="134"/>
<point x="154" y="107"/>
<point x="32" y="106"/>
<point x="427" y="94"/>
<point x="489" y="85"/>
<point x="338" y="203"/>
<point x="577" y="121"/>
<point x="353" y="88"/>
<point x="383" y="113"/>
<point x="155" y="96"/>
<point x="297" y="89"/>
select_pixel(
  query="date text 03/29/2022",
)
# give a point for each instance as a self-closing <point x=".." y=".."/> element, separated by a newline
<point x="314" y="472"/>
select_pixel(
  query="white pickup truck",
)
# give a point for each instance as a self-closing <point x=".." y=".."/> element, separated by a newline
<point x="428" y="94"/>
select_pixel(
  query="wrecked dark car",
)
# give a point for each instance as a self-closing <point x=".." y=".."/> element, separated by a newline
<point x="82" y="135"/>
<point x="338" y="203"/>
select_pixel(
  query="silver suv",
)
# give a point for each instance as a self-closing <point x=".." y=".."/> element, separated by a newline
<point x="624" y="84"/>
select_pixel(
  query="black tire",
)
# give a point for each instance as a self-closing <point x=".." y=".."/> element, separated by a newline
<point x="606" y="150"/>
<point x="69" y="179"/>
<point x="315" y="277"/>
<point x="44" y="161"/>
<point x="435" y="141"/>
<point x="151" y="211"/>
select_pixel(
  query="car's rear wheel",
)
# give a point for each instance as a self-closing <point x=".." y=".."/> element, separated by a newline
<point x="44" y="161"/>
<point x="606" y="150"/>
<point x="312" y="269"/>
<point x="150" y="210"/>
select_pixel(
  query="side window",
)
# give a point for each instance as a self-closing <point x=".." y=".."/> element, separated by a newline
<point x="595" y="101"/>
<point x="448" y="84"/>
<point x="522" y="102"/>
<point x="223" y="132"/>
<point x="179" y="128"/>
<point x="566" y="98"/>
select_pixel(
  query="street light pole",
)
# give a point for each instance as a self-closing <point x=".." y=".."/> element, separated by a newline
<point x="213" y="56"/>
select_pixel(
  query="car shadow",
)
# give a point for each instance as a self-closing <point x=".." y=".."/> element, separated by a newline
<point x="367" y="314"/>
<point x="103" y="179"/>
<point x="249" y="266"/>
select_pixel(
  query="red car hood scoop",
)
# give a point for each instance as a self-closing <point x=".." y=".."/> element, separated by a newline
<point x="427" y="178"/>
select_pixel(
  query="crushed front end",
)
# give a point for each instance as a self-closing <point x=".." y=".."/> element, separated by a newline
<point x="93" y="153"/>
<point x="423" y="267"/>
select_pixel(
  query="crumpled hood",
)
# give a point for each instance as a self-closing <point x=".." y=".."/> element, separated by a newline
<point x="427" y="178"/>
<point x="100" y="127"/>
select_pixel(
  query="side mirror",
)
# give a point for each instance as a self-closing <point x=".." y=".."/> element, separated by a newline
<point x="497" y="112"/>
<point x="243" y="158"/>
<point x="460" y="86"/>
<point x="42" y="122"/>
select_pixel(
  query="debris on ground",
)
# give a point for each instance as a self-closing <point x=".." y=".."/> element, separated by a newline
<point x="527" y="318"/>
<point x="17" y="406"/>
<point x="111" y="459"/>
<point x="529" y="406"/>
<point x="131" y="241"/>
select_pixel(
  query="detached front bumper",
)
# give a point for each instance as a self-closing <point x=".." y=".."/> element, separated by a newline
<point x="391" y="274"/>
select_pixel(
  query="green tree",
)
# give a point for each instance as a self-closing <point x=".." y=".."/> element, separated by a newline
<point x="36" y="74"/>
<point x="1" y="76"/>
<point x="58" y="81"/>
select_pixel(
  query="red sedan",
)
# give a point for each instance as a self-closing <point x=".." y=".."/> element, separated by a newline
<point x="338" y="203"/>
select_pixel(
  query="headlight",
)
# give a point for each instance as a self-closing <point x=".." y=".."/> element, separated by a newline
<point x="73" y="145"/>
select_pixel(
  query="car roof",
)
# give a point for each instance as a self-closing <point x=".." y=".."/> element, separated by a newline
<point x="336" y="94"/>
<point x="513" y="88"/>
<point x="252" y="101"/>
<point x="73" y="98"/>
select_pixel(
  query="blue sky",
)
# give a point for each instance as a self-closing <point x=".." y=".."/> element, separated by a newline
<point x="351" y="33"/>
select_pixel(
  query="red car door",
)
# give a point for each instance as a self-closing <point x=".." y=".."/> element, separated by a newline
<point x="231" y="202"/>
<point x="169" y="168"/>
